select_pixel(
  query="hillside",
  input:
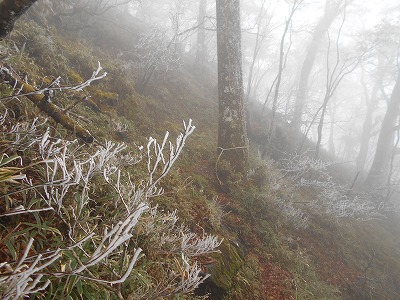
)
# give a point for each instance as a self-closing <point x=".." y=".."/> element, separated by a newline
<point x="291" y="231"/>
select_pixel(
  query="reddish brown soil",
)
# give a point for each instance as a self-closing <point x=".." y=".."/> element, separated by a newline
<point x="275" y="282"/>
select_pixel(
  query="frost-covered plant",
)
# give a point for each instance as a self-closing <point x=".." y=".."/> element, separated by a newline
<point x="294" y="215"/>
<point x="97" y="249"/>
<point x="298" y="166"/>
<point x="55" y="85"/>
<point x="9" y="173"/>
<point x="25" y="278"/>
<point x="155" y="52"/>
<point x="216" y="212"/>
<point x="118" y="126"/>
<point x="164" y="231"/>
<point x="157" y="165"/>
<point x="332" y="198"/>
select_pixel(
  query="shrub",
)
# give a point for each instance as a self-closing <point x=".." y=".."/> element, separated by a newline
<point x="332" y="199"/>
<point x="81" y="228"/>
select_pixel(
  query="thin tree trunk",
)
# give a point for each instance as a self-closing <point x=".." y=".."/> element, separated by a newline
<point x="201" y="54"/>
<point x="321" y="124"/>
<point x="367" y="127"/>
<point x="282" y="60"/>
<point x="333" y="79"/>
<point x="256" y="50"/>
<point x="10" y="11"/>
<point x="232" y="136"/>
<point x="331" y="12"/>
<point x="332" y="150"/>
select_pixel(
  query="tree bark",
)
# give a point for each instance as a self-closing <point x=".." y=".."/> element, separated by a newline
<point x="380" y="166"/>
<point x="40" y="101"/>
<point x="10" y="11"/>
<point x="232" y="135"/>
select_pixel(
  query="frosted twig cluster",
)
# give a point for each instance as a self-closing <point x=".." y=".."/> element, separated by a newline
<point x="113" y="239"/>
<point x="163" y="230"/>
<point x="294" y="215"/>
<point x="192" y="245"/>
<point x="70" y="175"/>
<point x="332" y="199"/>
<point x="156" y="161"/>
<point x="25" y="277"/>
<point x="154" y="50"/>
<point x="298" y="165"/>
<point x="22" y="135"/>
<point x="189" y="276"/>
<point x="55" y="85"/>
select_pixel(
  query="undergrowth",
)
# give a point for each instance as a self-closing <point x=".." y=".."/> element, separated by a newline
<point x="66" y="201"/>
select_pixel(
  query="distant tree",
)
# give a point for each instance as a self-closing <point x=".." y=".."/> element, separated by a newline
<point x="371" y="99"/>
<point x="377" y="175"/>
<point x="10" y="11"/>
<point x="282" y="60"/>
<point x="201" y="54"/>
<point x="341" y="68"/>
<point x="331" y="142"/>
<point x="336" y="71"/>
<point x="232" y="135"/>
<point x="76" y="15"/>
<point x="332" y="10"/>
<point x="261" y="34"/>
<point x="385" y="59"/>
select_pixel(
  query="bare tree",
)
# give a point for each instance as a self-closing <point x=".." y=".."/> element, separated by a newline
<point x="260" y="37"/>
<point x="10" y="11"/>
<point x="282" y="60"/>
<point x="334" y="77"/>
<point x="232" y="136"/>
<point x="332" y="10"/>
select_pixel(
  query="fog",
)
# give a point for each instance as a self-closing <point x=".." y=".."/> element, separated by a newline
<point x="290" y="186"/>
<point x="357" y="46"/>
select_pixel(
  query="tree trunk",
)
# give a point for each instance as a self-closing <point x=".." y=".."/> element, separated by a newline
<point x="367" y="127"/>
<point x="321" y="123"/>
<point x="10" y="11"/>
<point x="232" y="136"/>
<point x="331" y="12"/>
<point x="332" y="150"/>
<point x="379" y="170"/>
<point x="201" y="54"/>
<point x="256" y="50"/>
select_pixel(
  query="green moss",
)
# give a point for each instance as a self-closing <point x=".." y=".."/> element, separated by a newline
<point x="229" y="264"/>
<point x="74" y="77"/>
<point x="105" y="97"/>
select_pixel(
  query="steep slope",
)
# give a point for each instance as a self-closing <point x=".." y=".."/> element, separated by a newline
<point x="275" y="245"/>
